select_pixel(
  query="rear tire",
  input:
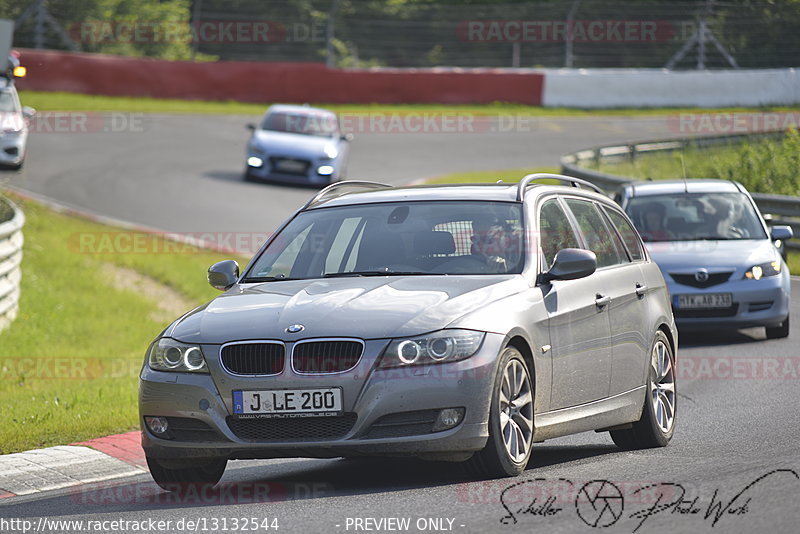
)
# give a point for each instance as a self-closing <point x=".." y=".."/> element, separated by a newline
<point x="777" y="332"/>
<point x="179" y="477"/>
<point x="510" y="441"/>
<point x="657" y="424"/>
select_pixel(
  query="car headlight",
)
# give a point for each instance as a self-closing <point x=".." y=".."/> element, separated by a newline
<point x="330" y="152"/>
<point x="169" y="355"/>
<point x="757" y="272"/>
<point x="443" y="346"/>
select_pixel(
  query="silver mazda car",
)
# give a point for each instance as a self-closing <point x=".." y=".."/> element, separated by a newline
<point x="297" y="145"/>
<point x="457" y="323"/>
<point x="721" y="261"/>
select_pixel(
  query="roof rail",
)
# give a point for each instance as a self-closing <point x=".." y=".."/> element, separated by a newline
<point x="325" y="194"/>
<point x="576" y="182"/>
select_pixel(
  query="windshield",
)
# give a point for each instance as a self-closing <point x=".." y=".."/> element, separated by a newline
<point x="695" y="216"/>
<point x="317" y="124"/>
<point x="396" y="238"/>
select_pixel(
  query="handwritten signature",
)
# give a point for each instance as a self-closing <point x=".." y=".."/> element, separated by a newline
<point x="601" y="503"/>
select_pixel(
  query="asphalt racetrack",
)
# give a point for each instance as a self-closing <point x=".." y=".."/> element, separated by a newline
<point x="732" y="466"/>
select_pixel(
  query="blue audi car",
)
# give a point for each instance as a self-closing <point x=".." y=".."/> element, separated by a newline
<point x="297" y="145"/>
<point x="721" y="262"/>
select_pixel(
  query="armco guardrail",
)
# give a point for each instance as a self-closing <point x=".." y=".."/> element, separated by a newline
<point x="781" y="209"/>
<point x="10" y="260"/>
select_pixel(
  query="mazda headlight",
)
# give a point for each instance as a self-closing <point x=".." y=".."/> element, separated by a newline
<point x="443" y="346"/>
<point x="757" y="272"/>
<point x="169" y="355"/>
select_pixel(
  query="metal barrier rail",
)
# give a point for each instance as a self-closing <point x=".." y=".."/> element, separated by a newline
<point x="779" y="209"/>
<point x="10" y="260"/>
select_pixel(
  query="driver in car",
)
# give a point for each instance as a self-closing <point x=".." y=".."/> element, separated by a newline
<point x="493" y="242"/>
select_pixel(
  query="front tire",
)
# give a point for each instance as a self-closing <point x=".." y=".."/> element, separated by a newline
<point x="657" y="424"/>
<point x="178" y="477"/>
<point x="510" y="441"/>
<point x="778" y="332"/>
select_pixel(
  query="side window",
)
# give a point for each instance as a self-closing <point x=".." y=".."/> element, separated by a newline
<point x="628" y="234"/>
<point x="555" y="231"/>
<point x="599" y="238"/>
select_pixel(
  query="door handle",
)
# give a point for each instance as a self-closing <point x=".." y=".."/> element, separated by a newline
<point x="640" y="290"/>
<point x="601" y="300"/>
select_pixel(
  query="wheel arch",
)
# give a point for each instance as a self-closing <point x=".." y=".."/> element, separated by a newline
<point x="522" y="345"/>
<point x="671" y="338"/>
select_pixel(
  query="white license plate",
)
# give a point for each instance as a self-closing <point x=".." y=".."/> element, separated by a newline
<point x="709" y="300"/>
<point x="288" y="402"/>
<point x="290" y="165"/>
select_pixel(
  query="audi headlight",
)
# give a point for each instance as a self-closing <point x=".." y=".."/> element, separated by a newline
<point x="330" y="151"/>
<point x="757" y="272"/>
<point x="170" y="355"/>
<point x="438" y="347"/>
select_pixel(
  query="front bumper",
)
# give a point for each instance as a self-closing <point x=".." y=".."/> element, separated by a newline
<point x="268" y="172"/>
<point x="762" y="302"/>
<point x="12" y="148"/>
<point x="370" y="400"/>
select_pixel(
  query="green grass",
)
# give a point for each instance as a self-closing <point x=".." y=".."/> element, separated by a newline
<point x="59" y="101"/>
<point x="70" y="361"/>
<point x="507" y="175"/>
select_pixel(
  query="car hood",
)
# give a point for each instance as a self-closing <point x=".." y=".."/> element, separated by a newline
<point x="289" y="143"/>
<point x="362" y="307"/>
<point x="688" y="256"/>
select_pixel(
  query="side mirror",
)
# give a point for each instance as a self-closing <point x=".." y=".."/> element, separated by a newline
<point x="782" y="233"/>
<point x="570" y="264"/>
<point x="347" y="137"/>
<point x="250" y="126"/>
<point x="28" y="112"/>
<point x="222" y="275"/>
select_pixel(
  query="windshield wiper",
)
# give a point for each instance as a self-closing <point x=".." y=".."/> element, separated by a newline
<point x="386" y="272"/>
<point x="279" y="278"/>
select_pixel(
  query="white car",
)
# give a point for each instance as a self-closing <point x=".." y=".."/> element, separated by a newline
<point x="13" y="126"/>
<point x="297" y="145"/>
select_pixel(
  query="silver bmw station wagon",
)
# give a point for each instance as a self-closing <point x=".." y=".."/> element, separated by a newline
<point x="457" y="323"/>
